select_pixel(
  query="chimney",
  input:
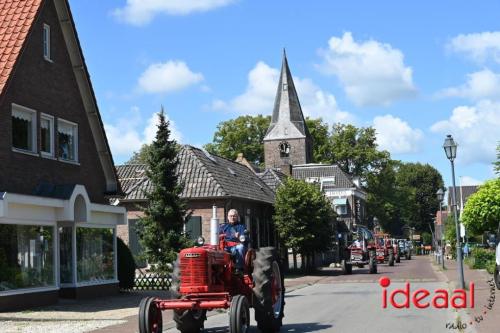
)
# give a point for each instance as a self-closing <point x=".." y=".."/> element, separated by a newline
<point x="286" y="169"/>
<point x="240" y="158"/>
<point x="356" y="181"/>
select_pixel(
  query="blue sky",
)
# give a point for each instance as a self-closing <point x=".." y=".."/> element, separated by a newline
<point x="416" y="71"/>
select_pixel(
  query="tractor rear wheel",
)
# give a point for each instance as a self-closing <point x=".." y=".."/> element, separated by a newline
<point x="189" y="321"/>
<point x="269" y="290"/>
<point x="239" y="315"/>
<point x="346" y="268"/>
<point x="497" y="276"/>
<point x="372" y="263"/>
<point x="391" y="258"/>
<point x="150" y="318"/>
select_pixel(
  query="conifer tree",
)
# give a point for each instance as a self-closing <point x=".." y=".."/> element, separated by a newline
<point x="161" y="229"/>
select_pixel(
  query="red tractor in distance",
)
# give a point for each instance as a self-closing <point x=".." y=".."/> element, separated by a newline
<point x="360" y="251"/>
<point x="397" y="251"/>
<point x="385" y="249"/>
<point x="208" y="281"/>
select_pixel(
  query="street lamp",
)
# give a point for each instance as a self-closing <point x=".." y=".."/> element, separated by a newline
<point x="440" y="197"/>
<point x="450" y="148"/>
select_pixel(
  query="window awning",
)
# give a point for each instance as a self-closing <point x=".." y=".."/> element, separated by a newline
<point x="338" y="202"/>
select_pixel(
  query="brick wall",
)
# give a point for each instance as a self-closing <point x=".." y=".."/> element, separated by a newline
<point x="51" y="88"/>
<point x="300" y="152"/>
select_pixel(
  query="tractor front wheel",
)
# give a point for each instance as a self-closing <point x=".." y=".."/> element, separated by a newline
<point x="391" y="258"/>
<point x="269" y="290"/>
<point x="189" y="321"/>
<point x="239" y="315"/>
<point x="373" y="263"/>
<point x="497" y="276"/>
<point x="346" y="268"/>
<point x="150" y="319"/>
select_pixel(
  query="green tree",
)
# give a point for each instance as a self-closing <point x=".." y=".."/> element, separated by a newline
<point x="322" y="152"/>
<point x="355" y="151"/>
<point x="140" y="157"/>
<point x="482" y="210"/>
<point x="417" y="185"/>
<point x="160" y="230"/>
<point x="244" y="134"/>
<point x="303" y="217"/>
<point x="383" y="199"/>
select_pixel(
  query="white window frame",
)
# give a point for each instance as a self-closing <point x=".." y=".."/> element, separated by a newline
<point x="46" y="42"/>
<point x="20" y="108"/>
<point x="75" y="160"/>
<point x="50" y="118"/>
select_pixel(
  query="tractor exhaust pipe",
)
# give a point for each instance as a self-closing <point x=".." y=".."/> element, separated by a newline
<point x="214" y="226"/>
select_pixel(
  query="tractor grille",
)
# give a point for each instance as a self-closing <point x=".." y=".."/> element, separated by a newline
<point x="194" y="271"/>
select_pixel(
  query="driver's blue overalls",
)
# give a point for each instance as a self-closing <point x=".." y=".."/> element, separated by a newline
<point x="238" y="251"/>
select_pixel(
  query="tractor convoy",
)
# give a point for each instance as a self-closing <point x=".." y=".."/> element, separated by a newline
<point x="361" y="247"/>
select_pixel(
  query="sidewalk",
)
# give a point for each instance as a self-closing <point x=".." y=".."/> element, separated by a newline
<point x="104" y="315"/>
<point x="490" y="318"/>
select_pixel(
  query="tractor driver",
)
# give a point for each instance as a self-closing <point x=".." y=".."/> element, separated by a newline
<point x="233" y="229"/>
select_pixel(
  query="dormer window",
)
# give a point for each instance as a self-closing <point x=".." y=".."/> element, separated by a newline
<point x="46" y="42"/>
<point x="284" y="149"/>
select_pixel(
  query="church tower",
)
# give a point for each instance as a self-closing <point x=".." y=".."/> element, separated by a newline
<point x="287" y="141"/>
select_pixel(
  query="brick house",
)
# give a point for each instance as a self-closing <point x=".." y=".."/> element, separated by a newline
<point x="208" y="180"/>
<point x="57" y="229"/>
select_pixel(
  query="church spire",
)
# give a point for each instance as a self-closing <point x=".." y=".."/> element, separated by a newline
<point x="287" y="141"/>
<point x="287" y="120"/>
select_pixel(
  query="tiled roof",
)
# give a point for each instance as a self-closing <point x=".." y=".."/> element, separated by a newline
<point x="273" y="178"/>
<point x="461" y="191"/>
<point x="16" y="19"/>
<point x="203" y="175"/>
<point x="342" y="180"/>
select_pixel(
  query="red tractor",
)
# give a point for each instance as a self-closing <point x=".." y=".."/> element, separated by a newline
<point x="360" y="251"/>
<point x="385" y="249"/>
<point x="397" y="252"/>
<point x="208" y="281"/>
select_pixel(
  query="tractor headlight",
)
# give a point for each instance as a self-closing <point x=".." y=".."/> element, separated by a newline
<point x="200" y="241"/>
<point x="243" y="238"/>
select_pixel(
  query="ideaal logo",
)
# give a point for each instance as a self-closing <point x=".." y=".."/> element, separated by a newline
<point x="440" y="299"/>
<point x="423" y="298"/>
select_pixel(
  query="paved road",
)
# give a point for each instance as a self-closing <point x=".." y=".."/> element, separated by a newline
<point x="340" y="303"/>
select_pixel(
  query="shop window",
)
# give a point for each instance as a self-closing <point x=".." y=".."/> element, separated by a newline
<point x="26" y="257"/>
<point x="95" y="254"/>
<point x="66" y="254"/>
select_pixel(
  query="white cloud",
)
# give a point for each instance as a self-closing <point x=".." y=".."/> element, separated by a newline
<point x="396" y="136"/>
<point x="371" y="73"/>
<point x="467" y="181"/>
<point x="141" y="12"/>
<point x="167" y="77"/>
<point x="483" y="84"/>
<point x="478" y="46"/>
<point x="261" y="91"/>
<point x="125" y="135"/>
<point x="475" y="129"/>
